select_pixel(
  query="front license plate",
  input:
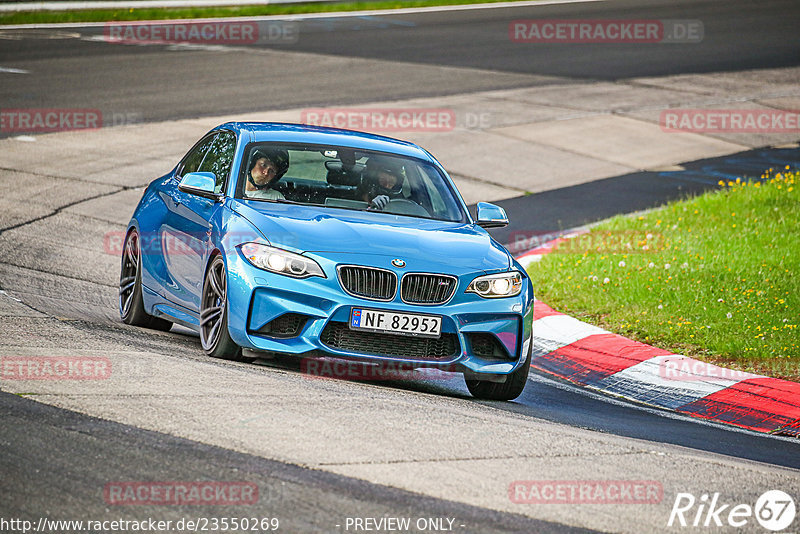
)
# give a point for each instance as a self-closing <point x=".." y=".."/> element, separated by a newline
<point x="395" y="323"/>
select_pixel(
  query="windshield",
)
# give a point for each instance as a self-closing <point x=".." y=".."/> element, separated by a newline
<point x="344" y="178"/>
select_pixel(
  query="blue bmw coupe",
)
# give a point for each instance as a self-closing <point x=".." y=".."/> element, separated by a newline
<point x="310" y="241"/>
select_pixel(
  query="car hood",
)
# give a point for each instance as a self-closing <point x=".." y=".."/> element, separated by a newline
<point x="340" y="235"/>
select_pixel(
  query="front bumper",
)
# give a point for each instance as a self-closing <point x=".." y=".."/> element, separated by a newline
<point x="257" y="297"/>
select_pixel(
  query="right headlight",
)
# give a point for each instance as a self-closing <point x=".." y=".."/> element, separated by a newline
<point x="492" y="286"/>
<point x="280" y="261"/>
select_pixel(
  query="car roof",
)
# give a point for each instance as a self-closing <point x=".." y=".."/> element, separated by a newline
<point x="303" y="133"/>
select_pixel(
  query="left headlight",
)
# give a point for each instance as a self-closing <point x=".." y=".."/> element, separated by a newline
<point x="492" y="286"/>
<point x="280" y="261"/>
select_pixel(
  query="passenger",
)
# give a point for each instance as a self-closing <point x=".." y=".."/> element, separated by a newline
<point x="266" y="168"/>
<point x="383" y="181"/>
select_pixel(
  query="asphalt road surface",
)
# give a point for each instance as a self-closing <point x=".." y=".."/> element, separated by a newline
<point x="322" y="451"/>
<point x="403" y="56"/>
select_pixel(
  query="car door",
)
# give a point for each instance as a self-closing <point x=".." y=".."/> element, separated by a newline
<point x="187" y="231"/>
<point x="159" y="234"/>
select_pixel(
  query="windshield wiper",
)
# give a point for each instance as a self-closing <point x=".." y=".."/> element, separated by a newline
<point x="279" y="201"/>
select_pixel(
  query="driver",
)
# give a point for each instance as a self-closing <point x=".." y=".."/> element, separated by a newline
<point x="267" y="166"/>
<point x="383" y="182"/>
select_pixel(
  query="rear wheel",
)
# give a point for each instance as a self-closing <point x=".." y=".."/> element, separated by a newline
<point x="131" y="305"/>
<point x="508" y="390"/>
<point x="214" y="335"/>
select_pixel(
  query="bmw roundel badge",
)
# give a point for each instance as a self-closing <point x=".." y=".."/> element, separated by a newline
<point x="397" y="262"/>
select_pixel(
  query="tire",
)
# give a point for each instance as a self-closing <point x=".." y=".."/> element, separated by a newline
<point x="508" y="390"/>
<point x="214" y="335"/>
<point x="131" y="305"/>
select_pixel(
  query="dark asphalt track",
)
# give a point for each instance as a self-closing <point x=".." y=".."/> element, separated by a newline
<point x="552" y="399"/>
<point x="738" y="35"/>
<point x="160" y="82"/>
<point x="555" y="400"/>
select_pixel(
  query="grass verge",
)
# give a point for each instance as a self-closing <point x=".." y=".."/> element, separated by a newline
<point x="714" y="277"/>
<point x="105" y="15"/>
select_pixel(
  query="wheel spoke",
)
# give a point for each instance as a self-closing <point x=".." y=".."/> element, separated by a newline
<point x="215" y="284"/>
<point x="126" y="284"/>
<point x="210" y="314"/>
<point x="212" y="334"/>
<point x="131" y="252"/>
<point x="221" y="282"/>
<point x="127" y="301"/>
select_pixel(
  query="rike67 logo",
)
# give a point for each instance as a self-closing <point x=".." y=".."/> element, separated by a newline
<point x="774" y="510"/>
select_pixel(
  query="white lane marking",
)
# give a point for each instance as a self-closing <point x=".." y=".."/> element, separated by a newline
<point x="328" y="15"/>
<point x="555" y="331"/>
<point x="3" y="293"/>
<point x="24" y="138"/>
<point x="649" y="381"/>
<point x="14" y="71"/>
<point x="171" y="46"/>
<point x="530" y="259"/>
<point x="17" y="34"/>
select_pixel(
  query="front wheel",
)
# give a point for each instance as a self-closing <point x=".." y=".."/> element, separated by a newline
<point x="214" y="335"/>
<point x="508" y="390"/>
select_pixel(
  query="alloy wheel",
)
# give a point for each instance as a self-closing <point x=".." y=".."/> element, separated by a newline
<point x="213" y="305"/>
<point x="129" y="273"/>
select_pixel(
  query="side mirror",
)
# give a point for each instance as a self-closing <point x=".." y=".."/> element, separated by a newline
<point x="491" y="216"/>
<point x="201" y="184"/>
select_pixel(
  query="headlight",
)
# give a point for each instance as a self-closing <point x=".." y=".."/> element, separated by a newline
<point x="280" y="261"/>
<point x="494" y="286"/>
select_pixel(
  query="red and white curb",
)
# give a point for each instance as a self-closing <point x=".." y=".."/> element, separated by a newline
<point x="597" y="359"/>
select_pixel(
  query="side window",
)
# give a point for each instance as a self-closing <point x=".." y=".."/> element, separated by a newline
<point x="192" y="160"/>
<point x="219" y="158"/>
